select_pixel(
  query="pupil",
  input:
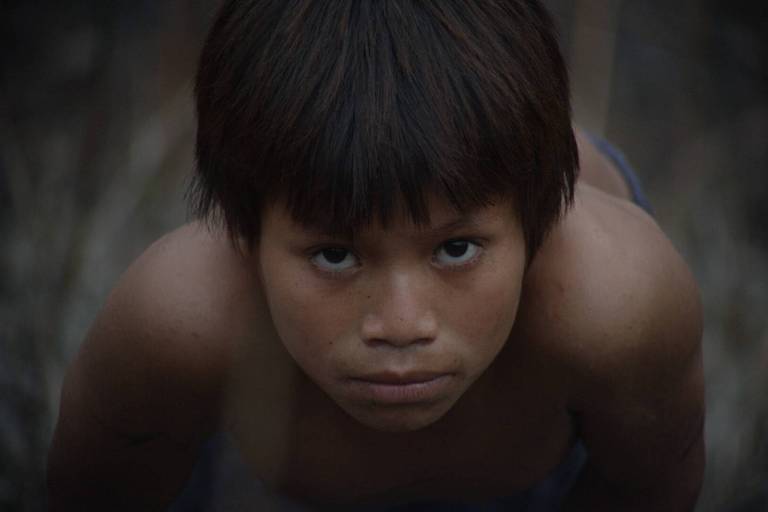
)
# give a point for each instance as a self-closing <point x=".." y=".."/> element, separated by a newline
<point x="456" y="249"/>
<point x="335" y="256"/>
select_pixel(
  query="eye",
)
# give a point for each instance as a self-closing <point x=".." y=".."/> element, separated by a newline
<point x="455" y="253"/>
<point x="334" y="259"/>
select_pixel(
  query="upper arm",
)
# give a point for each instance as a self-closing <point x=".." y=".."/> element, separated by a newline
<point x="140" y="396"/>
<point x="640" y="403"/>
<point x="96" y="462"/>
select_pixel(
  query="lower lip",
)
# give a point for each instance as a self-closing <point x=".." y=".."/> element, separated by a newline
<point x="398" y="394"/>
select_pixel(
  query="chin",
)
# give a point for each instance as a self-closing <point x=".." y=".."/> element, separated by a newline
<point x="399" y="419"/>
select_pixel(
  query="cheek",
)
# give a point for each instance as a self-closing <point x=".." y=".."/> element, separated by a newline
<point x="486" y="315"/>
<point x="308" y="317"/>
<point x="493" y="311"/>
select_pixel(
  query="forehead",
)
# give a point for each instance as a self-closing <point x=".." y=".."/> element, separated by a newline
<point x="440" y="217"/>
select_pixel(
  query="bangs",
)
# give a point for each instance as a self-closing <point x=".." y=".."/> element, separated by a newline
<point x="355" y="171"/>
<point x="350" y="110"/>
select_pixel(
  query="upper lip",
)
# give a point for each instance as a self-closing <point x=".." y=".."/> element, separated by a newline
<point x="390" y="377"/>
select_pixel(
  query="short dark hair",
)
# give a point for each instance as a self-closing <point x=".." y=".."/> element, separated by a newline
<point x="346" y="109"/>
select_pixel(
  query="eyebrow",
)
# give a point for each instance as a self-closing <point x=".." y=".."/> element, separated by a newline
<point x="319" y="227"/>
<point x="468" y="221"/>
<point x="464" y="222"/>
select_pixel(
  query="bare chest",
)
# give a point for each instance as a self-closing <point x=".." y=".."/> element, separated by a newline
<point x="489" y="445"/>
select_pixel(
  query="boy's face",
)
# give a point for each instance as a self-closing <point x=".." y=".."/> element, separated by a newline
<point x="395" y="324"/>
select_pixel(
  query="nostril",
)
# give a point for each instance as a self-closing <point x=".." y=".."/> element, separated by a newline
<point x="399" y="321"/>
<point x="375" y="342"/>
<point x="397" y="342"/>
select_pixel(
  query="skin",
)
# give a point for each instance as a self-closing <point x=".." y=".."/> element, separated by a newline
<point x="600" y="337"/>
<point x="395" y="302"/>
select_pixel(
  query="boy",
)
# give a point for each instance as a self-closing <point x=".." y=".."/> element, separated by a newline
<point x="403" y="295"/>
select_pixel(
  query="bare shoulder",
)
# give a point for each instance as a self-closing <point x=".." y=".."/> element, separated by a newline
<point x="611" y="290"/>
<point x="146" y="387"/>
<point x="191" y="281"/>
<point x="615" y="306"/>
<point x="157" y="355"/>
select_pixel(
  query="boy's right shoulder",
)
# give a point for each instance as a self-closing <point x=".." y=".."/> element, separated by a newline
<point x="161" y="348"/>
<point x="191" y="283"/>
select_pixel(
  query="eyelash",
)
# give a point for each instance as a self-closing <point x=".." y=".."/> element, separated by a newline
<point x="469" y="263"/>
<point x="317" y="250"/>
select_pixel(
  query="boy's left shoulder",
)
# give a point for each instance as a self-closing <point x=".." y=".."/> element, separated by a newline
<point x="609" y="288"/>
<point x="613" y="304"/>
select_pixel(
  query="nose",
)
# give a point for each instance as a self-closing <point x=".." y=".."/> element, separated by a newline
<point x="401" y="312"/>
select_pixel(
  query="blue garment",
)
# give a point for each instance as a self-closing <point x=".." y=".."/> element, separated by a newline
<point x="620" y="162"/>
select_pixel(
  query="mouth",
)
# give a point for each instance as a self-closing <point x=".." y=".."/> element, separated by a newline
<point x="388" y="388"/>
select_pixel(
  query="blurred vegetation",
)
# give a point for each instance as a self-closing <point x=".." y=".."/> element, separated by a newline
<point x="96" y="132"/>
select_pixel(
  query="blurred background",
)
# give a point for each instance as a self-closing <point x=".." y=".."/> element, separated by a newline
<point x="96" y="133"/>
